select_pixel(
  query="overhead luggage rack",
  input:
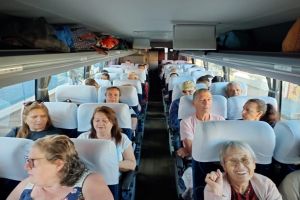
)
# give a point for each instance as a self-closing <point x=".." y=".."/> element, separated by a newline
<point x="15" y="69"/>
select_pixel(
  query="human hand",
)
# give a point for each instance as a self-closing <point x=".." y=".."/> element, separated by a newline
<point x="214" y="181"/>
<point x="182" y="152"/>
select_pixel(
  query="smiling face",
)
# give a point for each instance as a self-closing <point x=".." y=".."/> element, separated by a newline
<point x="102" y="124"/>
<point x="37" y="120"/>
<point x="239" y="165"/>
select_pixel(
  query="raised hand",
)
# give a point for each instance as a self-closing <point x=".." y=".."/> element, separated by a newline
<point x="214" y="182"/>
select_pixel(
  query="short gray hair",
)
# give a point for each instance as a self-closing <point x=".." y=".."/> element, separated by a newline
<point x="235" y="144"/>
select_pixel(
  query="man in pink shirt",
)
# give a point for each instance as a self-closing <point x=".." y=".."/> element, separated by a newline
<point x="202" y="101"/>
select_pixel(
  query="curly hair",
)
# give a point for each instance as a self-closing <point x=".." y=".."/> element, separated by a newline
<point x="60" y="147"/>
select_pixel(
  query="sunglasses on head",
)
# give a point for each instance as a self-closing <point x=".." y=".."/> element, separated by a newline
<point x="31" y="102"/>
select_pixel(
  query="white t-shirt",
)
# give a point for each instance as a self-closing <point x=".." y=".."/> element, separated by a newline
<point x="121" y="147"/>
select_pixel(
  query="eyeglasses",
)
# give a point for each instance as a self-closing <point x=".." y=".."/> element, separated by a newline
<point x="236" y="162"/>
<point x="30" y="161"/>
<point x="31" y="102"/>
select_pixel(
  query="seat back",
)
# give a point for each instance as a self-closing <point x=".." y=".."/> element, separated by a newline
<point x="129" y="95"/>
<point x="85" y="113"/>
<point x="105" y="83"/>
<point x="76" y="93"/>
<point x="220" y="88"/>
<point x="12" y="157"/>
<point x="63" y="115"/>
<point x="178" y="80"/>
<point x="101" y="156"/>
<point x="114" y="69"/>
<point x="186" y="108"/>
<point x="209" y="137"/>
<point x="199" y="73"/>
<point x="136" y="83"/>
<point x="287" y="149"/>
<point x="177" y="90"/>
<point x="235" y="104"/>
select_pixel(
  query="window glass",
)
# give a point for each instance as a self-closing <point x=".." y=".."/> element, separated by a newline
<point x="216" y="69"/>
<point x="11" y="100"/>
<point x="257" y="85"/>
<point x="290" y="104"/>
<point x="76" y="76"/>
<point x="199" y="62"/>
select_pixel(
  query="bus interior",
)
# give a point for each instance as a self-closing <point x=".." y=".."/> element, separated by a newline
<point x="48" y="49"/>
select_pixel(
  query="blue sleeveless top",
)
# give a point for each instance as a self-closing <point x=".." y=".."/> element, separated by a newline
<point x="76" y="193"/>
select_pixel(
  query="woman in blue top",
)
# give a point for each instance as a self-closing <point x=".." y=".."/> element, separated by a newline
<point x="56" y="172"/>
<point x="36" y="122"/>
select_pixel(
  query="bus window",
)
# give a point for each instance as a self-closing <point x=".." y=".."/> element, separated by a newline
<point x="76" y="76"/>
<point x="290" y="105"/>
<point x="11" y="100"/>
<point x="217" y="69"/>
<point x="257" y="85"/>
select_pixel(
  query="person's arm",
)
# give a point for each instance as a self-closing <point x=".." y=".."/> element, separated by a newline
<point x="134" y="122"/>
<point x="13" y="132"/>
<point x="16" y="193"/>
<point x="186" y="150"/>
<point x="214" y="185"/>
<point x="128" y="163"/>
<point x="94" y="188"/>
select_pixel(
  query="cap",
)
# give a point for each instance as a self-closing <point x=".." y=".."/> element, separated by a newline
<point x="188" y="85"/>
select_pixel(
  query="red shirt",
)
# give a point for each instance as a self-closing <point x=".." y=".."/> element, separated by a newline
<point x="248" y="195"/>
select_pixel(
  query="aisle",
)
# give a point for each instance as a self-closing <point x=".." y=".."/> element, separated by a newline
<point x="155" y="179"/>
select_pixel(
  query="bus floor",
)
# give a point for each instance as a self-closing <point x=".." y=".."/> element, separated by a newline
<point x="155" y="178"/>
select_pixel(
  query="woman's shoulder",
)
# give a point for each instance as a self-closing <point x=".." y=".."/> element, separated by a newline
<point x="13" y="132"/>
<point x="85" y="135"/>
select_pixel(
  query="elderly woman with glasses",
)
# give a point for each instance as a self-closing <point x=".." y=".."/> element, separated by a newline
<point x="56" y="172"/>
<point x="238" y="180"/>
<point x="36" y="122"/>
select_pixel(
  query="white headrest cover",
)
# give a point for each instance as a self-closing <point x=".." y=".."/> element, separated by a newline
<point x="63" y="114"/>
<point x="76" y="93"/>
<point x="100" y="156"/>
<point x="12" y="157"/>
<point x="103" y="83"/>
<point x="135" y="83"/>
<point x="113" y="69"/>
<point x="128" y="95"/>
<point x="287" y="149"/>
<point x="186" y="108"/>
<point x="220" y="88"/>
<point x="210" y="136"/>
<point x="197" y="74"/>
<point x="85" y="113"/>
<point x="235" y="104"/>
<point x="175" y="80"/>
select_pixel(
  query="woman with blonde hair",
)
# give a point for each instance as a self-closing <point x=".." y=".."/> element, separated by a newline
<point x="36" y="122"/>
<point x="56" y="172"/>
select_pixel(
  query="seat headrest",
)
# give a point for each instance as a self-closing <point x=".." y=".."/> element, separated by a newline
<point x="186" y="108"/>
<point x="85" y="113"/>
<point x="63" y="114"/>
<point x="100" y="156"/>
<point x="12" y="157"/>
<point x="235" y="104"/>
<point x="135" y="83"/>
<point x="103" y="83"/>
<point x="129" y="95"/>
<point x="210" y="136"/>
<point x="76" y="93"/>
<point x="287" y="149"/>
<point x="220" y="88"/>
<point x="175" y="80"/>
